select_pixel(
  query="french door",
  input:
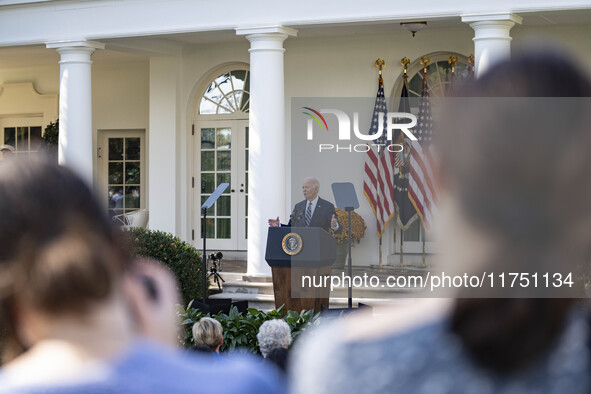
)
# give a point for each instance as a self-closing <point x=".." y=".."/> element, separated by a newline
<point x="221" y="155"/>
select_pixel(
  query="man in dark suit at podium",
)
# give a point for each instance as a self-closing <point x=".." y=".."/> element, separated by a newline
<point x="313" y="211"/>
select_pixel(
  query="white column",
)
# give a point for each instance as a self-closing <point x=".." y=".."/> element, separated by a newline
<point x="75" y="105"/>
<point x="266" y="184"/>
<point x="492" y="41"/>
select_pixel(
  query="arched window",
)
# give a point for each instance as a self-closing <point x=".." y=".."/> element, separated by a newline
<point x="228" y="93"/>
<point x="438" y="75"/>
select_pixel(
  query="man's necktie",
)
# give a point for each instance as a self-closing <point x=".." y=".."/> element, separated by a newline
<point x="308" y="214"/>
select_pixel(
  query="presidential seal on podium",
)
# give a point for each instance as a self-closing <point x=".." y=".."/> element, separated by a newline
<point x="292" y="244"/>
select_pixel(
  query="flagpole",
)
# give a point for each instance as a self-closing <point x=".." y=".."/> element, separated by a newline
<point x="380" y="65"/>
<point x="404" y="62"/>
<point x="424" y="254"/>
<point x="401" y="246"/>
<point x="471" y="62"/>
<point x="452" y="61"/>
<point x="380" y="250"/>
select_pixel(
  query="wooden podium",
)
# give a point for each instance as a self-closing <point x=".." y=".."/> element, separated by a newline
<point x="297" y="252"/>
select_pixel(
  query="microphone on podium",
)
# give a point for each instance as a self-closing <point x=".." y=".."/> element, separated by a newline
<point x="296" y="219"/>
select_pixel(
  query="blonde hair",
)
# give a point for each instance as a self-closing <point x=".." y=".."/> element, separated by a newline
<point x="208" y="332"/>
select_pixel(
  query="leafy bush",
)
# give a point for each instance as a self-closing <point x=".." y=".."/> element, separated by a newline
<point x="50" y="139"/>
<point x="240" y="331"/>
<point x="183" y="259"/>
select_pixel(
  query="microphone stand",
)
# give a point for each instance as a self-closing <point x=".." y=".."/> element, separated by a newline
<point x="204" y="257"/>
<point x="350" y="290"/>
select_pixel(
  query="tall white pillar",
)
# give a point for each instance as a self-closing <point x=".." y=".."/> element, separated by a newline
<point x="266" y="183"/>
<point x="75" y="105"/>
<point x="492" y="41"/>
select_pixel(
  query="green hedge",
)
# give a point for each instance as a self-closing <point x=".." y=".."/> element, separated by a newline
<point x="240" y="330"/>
<point x="182" y="259"/>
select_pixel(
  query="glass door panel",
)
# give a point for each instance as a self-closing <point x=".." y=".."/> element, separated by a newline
<point x="124" y="174"/>
<point x="220" y="158"/>
<point x="216" y="168"/>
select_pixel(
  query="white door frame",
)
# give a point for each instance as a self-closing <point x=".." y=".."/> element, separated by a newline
<point x="237" y="189"/>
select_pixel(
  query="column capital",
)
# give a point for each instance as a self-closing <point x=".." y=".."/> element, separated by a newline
<point x="492" y="38"/>
<point x="75" y="44"/>
<point x="493" y="17"/>
<point x="266" y="38"/>
<point x="75" y="51"/>
<point x="274" y="30"/>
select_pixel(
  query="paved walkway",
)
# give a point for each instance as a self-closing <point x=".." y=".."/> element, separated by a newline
<point x="233" y="266"/>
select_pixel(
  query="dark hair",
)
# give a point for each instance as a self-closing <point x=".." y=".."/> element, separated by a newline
<point x="279" y="356"/>
<point x="507" y="193"/>
<point x="60" y="252"/>
<point x="202" y="349"/>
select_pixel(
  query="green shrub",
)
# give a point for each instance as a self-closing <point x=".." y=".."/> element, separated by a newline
<point x="50" y="139"/>
<point x="183" y="259"/>
<point x="240" y="330"/>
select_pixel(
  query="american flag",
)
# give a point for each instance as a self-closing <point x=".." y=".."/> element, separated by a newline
<point x="379" y="168"/>
<point x="421" y="186"/>
<point x="398" y="160"/>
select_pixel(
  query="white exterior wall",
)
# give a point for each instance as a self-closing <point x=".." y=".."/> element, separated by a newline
<point x="120" y="101"/>
<point x="120" y="96"/>
<point x="44" y="78"/>
<point x="572" y="38"/>
<point x="164" y="144"/>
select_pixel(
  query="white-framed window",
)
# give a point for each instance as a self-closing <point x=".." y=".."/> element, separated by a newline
<point x="226" y="94"/>
<point x="24" y="139"/>
<point x="122" y="170"/>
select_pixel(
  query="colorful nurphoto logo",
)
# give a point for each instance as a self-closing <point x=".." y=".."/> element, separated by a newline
<point x="315" y="117"/>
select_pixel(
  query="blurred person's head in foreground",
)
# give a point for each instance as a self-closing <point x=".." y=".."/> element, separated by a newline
<point x="60" y="262"/>
<point x="153" y="296"/>
<point x="208" y="332"/>
<point x="272" y="334"/>
<point x="513" y="171"/>
<point x="64" y="274"/>
<point x="82" y="316"/>
<point x="514" y="187"/>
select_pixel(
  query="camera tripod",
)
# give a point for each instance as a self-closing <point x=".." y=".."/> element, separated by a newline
<point x="213" y="271"/>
